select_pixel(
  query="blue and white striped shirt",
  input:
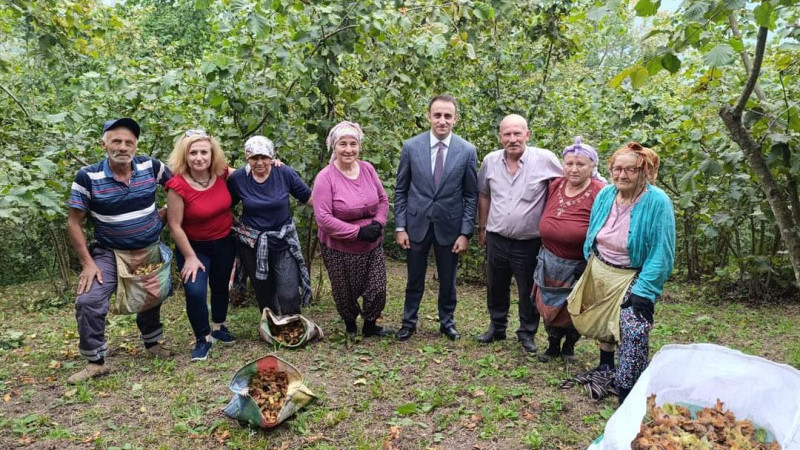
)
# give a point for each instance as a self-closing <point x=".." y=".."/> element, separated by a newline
<point x="125" y="217"/>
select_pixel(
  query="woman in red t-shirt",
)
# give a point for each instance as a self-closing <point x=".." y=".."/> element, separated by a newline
<point x="563" y="227"/>
<point x="200" y="220"/>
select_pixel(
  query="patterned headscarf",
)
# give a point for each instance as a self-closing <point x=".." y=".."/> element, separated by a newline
<point x="586" y="150"/>
<point x="340" y="130"/>
<point x="259" y="145"/>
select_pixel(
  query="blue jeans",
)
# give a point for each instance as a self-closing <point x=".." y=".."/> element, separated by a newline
<point x="217" y="256"/>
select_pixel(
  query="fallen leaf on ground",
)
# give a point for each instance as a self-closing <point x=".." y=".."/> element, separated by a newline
<point x="478" y="393"/>
<point x="54" y="365"/>
<point x="360" y="382"/>
<point x="221" y="435"/>
<point x="27" y="440"/>
<point x="91" y="438"/>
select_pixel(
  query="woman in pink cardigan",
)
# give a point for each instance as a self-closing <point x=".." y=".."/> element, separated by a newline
<point x="350" y="207"/>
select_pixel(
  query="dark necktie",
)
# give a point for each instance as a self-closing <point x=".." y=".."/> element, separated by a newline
<point x="438" y="168"/>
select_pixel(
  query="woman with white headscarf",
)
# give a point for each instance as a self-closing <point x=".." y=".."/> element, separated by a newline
<point x="350" y="207"/>
<point x="267" y="240"/>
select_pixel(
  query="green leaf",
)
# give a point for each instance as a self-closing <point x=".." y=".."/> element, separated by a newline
<point x="620" y="77"/>
<point x="696" y="11"/>
<point x="763" y="13"/>
<point x="645" y="8"/>
<point x="407" y="409"/>
<point x="257" y="24"/>
<point x="483" y="11"/>
<point x="363" y="103"/>
<point x="639" y="77"/>
<point x="671" y="62"/>
<point x="56" y="118"/>
<point x="471" y="52"/>
<point x="720" y="55"/>
<point x="596" y="14"/>
<point x="653" y="66"/>
<point x="736" y="44"/>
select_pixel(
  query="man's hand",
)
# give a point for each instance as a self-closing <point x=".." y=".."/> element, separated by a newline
<point x="482" y="238"/>
<point x="401" y="237"/>
<point x="461" y="245"/>
<point x="277" y="162"/>
<point x="89" y="272"/>
<point x="190" y="269"/>
<point x="162" y="213"/>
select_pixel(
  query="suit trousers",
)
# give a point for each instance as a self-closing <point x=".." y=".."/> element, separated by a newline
<point x="505" y="258"/>
<point x="417" y="264"/>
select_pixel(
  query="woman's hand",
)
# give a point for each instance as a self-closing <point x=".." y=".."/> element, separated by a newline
<point x="190" y="268"/>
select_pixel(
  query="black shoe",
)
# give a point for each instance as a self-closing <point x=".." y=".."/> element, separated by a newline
<point x="372" y="329"/>
<point x="450" y="332"/>
<point x="404" y="333"/>
<point x="351" y="328"/>
<point x="490" y="336"/>
<point x="527" y="344"/>
<point x="553" y="350"/>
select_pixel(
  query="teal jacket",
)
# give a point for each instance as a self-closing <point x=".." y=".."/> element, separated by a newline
<point x="651" y="240"/>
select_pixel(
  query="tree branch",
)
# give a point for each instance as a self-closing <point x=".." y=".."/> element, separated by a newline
<point x="752" y="79"/>
<point x="21" y="106"/>
<point x="745" y="57"/>
<point x="291" y="86"/>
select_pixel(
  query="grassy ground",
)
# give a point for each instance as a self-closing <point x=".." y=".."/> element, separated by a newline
<point x="424" y="393"/>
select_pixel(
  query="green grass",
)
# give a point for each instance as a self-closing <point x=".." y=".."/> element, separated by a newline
<point x="424" y="393"/>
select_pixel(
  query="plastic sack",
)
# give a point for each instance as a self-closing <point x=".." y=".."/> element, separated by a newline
<point x="137" y="293"/>
<point x="595" y="300"/>
<point x="765" y="392"/>
<point x="271" y="324"/>
<point x="244" y="408"/>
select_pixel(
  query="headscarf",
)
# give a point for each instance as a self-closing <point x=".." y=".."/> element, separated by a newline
<point x="340" y="130"/>
<point x="259" y="145"/>
<point x="586" y="150"/>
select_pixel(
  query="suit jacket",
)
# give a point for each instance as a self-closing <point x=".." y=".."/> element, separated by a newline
<point x="451" y="206"/>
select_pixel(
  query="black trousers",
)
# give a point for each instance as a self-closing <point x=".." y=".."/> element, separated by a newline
<point x="506" y="258"/>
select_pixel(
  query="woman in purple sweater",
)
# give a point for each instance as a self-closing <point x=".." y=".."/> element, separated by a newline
<point x="350" y="207"/>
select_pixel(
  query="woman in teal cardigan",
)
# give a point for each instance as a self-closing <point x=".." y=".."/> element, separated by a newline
<point x="632" y="226"/>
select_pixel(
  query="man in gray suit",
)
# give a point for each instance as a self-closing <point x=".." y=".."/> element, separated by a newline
<point x="435" y="203"/>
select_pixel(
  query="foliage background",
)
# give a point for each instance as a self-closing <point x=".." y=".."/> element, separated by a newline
<point x="611" y="71"/>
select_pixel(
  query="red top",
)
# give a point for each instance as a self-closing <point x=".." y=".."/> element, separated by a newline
<point x="564" y="234"/>
<point x="206" y="214"/>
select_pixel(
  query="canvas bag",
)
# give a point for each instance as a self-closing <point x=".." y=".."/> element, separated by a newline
<point x="137" y="293"/>
<point x="765" y="392"/>
<point x="243" y="408"/>
<point x="595" y="300"/>
<point x="312" y="330"/>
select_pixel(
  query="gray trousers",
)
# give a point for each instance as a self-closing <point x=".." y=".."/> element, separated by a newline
<point x="91" y="309"/>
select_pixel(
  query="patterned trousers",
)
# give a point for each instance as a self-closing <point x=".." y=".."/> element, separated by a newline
<point x="355" y="275"/>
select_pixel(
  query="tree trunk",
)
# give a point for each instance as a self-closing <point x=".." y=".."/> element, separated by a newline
<point x="777" y="201"/>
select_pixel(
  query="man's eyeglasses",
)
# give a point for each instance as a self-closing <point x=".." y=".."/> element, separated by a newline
<point x="196" y="132"/>
<point x="628" y="170"/>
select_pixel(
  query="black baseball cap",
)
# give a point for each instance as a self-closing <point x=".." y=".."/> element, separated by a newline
<point x="125" y="122"/>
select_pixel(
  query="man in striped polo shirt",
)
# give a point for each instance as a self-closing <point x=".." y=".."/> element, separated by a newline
<point x="119" y="195"/>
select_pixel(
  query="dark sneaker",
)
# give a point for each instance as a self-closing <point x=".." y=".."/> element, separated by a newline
<point x="222" y="335"/>
<point x="201" y="349"/>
